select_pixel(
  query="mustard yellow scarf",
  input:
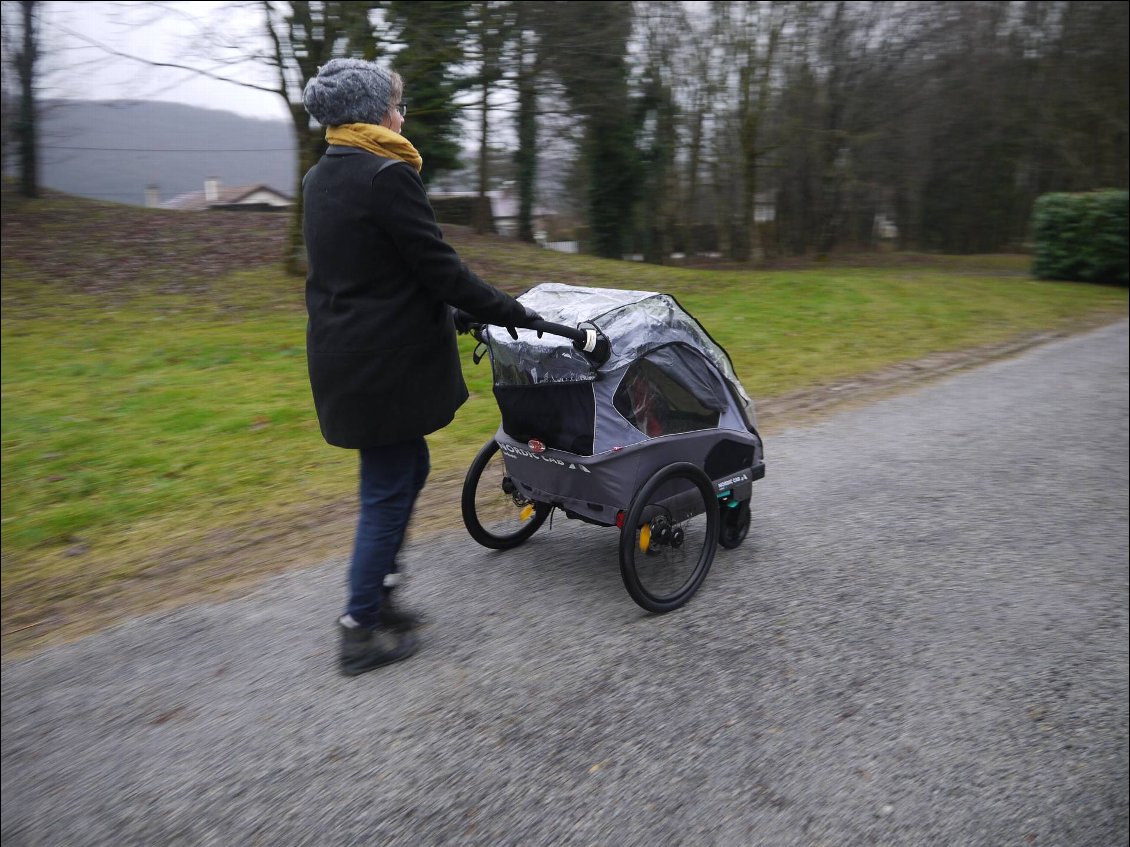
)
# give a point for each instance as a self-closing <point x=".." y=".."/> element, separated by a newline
<point x="375" y="139"/>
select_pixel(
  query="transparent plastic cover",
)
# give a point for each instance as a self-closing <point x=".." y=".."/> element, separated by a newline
<point x="634" y="322"/>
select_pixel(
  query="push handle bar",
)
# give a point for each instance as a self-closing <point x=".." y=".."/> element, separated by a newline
<point x="574" y="334"/>
<point x="589" y="342"/>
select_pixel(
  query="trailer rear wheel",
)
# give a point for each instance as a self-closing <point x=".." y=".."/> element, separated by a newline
<point x="495" y="514"/>
<point x="669" y="536"/>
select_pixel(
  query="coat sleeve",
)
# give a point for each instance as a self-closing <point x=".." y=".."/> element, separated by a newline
<point x="410" y="221"/>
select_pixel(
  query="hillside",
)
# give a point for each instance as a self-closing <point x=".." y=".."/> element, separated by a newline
<point x="111" y="150"/>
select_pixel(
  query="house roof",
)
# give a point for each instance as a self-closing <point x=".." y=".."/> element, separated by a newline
<point x="194" y="200"/>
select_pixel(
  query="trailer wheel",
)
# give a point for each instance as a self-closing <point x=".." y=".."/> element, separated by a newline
<point x="668" y="538"/>
<point x="735" y="525"/>
<point x="494" y="513"/>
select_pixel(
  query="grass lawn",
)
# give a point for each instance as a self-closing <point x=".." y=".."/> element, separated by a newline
<point x="138" y="422"/>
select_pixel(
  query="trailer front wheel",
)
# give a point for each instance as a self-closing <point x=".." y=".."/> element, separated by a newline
<point x="735" y="525"/>
<point x="668" y="538"/>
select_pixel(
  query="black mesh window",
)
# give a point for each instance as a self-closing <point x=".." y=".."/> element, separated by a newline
<point x="559" y="414"/>
<point x="656" y="403"/>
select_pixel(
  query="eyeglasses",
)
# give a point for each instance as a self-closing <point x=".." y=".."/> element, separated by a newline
<point x="402" y="108"/>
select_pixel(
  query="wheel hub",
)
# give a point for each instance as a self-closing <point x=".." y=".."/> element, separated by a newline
<point x="660" y="533"/>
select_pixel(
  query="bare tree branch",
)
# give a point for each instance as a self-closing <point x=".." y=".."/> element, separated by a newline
<point x="153" y="63"/>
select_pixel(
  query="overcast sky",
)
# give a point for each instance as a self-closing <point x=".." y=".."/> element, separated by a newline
<point x="75" y="65"/>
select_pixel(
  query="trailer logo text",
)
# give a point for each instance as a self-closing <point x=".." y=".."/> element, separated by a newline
<point x="511" y="450"/>
<point x="732" y="481"/>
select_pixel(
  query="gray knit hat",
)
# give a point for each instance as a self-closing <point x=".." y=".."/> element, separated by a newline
<point x="348" y="91"/>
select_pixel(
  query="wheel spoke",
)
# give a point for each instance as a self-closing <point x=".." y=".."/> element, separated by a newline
<point x="665" y="569"/>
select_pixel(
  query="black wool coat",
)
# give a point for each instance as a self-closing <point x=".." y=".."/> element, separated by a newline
<point x="380" y="341"/>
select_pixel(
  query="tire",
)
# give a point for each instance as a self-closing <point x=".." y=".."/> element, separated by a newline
<point x="493" y="516"/>
<point x="667" y="573"/>
<point x="734" y="525"/>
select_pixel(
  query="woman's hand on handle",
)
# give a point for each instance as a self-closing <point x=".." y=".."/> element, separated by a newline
<point x="527" y="322"/>
<point x="464" y="321"/>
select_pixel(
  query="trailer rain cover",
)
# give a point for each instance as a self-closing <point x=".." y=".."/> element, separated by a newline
<point x="635" y="322"/>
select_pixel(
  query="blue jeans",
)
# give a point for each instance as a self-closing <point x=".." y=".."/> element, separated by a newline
<point x="391" y="477"/>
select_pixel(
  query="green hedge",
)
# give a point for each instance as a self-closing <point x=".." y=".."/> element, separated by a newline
<point x="1082" y="236"/>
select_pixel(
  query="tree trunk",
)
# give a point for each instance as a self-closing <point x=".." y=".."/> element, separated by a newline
<point x="27" y="131"/>
<point x="526" y="156"/>
<point x="311" y="145"/>
<point x="482" y="207"/>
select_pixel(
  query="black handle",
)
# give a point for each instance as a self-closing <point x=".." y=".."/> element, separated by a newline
<point x="590" y="342"/>
<point x="571" y="332"/>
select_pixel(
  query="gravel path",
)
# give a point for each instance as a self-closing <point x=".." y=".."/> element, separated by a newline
<point x="924" y="641"/>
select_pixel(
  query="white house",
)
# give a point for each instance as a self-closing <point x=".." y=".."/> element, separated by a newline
<point x="214" y="196"/>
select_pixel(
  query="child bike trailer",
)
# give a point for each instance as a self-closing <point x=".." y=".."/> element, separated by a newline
<point x="639" y="424"/>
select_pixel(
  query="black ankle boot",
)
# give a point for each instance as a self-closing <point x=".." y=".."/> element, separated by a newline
<point x="391" y="616"/>
<point x="366" y="648"/>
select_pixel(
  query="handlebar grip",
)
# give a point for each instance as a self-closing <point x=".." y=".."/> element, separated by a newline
<point x="570" y="332"/>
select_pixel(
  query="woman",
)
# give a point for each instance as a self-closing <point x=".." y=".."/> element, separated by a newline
<point x="380" y="342"/>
